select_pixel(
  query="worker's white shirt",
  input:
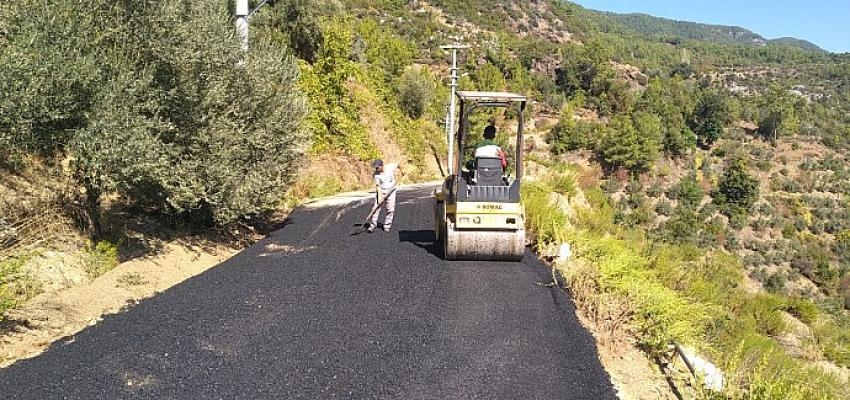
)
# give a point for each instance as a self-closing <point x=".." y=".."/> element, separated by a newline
<point x="490" y="151"/>
<point x="386" y="179"/>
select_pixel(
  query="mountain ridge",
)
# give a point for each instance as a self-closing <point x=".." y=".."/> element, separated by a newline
<point x="672" y="29"/>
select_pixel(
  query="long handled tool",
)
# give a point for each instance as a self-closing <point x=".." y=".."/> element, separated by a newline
<point x="366" y="222"/>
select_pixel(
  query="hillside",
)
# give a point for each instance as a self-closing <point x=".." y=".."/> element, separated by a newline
<point x="700" y="179"/>
<point x="655" y="27"/>
<point x="676" y="31"/>
<point x="795" y="42"/>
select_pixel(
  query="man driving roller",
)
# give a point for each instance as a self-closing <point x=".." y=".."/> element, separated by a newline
<point x="488" y="147"/>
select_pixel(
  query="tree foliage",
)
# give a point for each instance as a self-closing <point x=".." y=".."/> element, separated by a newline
<point x="779" y="113"/>
<point x="585" y="68"/>
<point x="737" y="190"/>
<point x="671" y="101"/>
<point x="294" y="23"/>
<point x="687" y="192"/>
<point x="415" y="90"/>
<point x="711" y="115"/>
<point x="632" y="141"/>
<point x="181" y="121"/>
<point x="334" y="120"/>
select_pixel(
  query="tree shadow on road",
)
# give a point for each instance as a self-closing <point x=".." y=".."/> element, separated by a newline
<point x="9" y="325"/>
<point x="425" y="239"/>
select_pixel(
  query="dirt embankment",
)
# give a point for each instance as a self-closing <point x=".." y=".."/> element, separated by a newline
<point x="59" y="314"/>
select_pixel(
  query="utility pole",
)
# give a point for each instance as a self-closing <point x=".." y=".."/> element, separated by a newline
<point x="242" y="11"/>
<point x="450" y="119"/>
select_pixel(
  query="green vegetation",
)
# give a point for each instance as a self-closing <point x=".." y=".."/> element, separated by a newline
<point x="655" y="27"/>
<point x="779" y="114"/>
<point x="415" y="92"/>
<point x="180" y="122"/>
<point x="99" y="258"/>
<point x="335" y="120"/>
<point x="711" y="116"/>
<point x="679" y="293"/>
<point x="16" y="286"/>
<point x="737" y="190"/>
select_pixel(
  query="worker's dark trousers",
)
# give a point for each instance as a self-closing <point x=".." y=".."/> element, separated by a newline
<point x="389" y="206"/>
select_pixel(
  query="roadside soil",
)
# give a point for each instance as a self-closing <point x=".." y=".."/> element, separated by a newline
<point x="59" y="314"/>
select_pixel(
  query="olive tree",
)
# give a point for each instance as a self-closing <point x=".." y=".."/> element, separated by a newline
<point x="153" y="100"/>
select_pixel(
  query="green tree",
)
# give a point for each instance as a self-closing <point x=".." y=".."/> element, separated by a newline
<point x="385" y="51"/>
<point x="779" y="113"/>
<point x="585" y="68"/>
<point x="182" y="122"/>
<point x="684" y="70"/>
<point x="682" y="227"/>
<point x="737" y="191"/>
<point x="334" y="120"/>
<point x="632" y="141"/>
<point x="711" y="115"/>
<point x="671" y="101"/>
<point x="415" y="89"/>
<point x="570" y="134"/>
<point x="295" y="23"/>
<point x="488" y="77"/>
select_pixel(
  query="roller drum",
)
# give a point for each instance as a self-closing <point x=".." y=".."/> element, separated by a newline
<point x="483" y="245"/>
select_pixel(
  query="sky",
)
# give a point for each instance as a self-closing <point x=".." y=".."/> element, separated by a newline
<point x="825" y="23"/>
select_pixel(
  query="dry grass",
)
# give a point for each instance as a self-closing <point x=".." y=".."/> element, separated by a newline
<point x="609" y="313"/>
<point x="32" y="210"/>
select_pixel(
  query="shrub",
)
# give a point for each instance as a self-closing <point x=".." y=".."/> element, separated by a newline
<point x="759" y="224"/>
<point x="637" y="216"/>
<point x="708" y="211"/>
<point x="775" y="282"/>
<point x="664" y="207"/>
<point x="764" y="165"/>
<point x="763" y="310"/>
<point x="737" y="221"/>
<point x="100" y="258"/>
<point x="710" y="116"/>
<point x="570" y="135"/>
<point x="688" y="192"/>
<point x="543" y="218"/>
<point x="681" y="227"/>
<point x="841" y="246"/>
<point x="611" y="185"/>
<point x="564" y="183"/>
<point x="654" y="190"/>
<point x="296" y="23"/>
<point x="10" y="279"/>
<point x="732" y="242"/>
<point x="631" y="142"/>
<point x="803" y="309"/>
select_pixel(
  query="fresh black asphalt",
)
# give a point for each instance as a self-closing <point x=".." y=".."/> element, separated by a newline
<point x="312" y="312"/>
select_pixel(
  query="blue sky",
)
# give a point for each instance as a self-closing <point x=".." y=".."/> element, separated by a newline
<point x="824" y="23"/>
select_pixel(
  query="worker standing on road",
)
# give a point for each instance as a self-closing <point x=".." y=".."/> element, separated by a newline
<point x="385" y="183"/>
<point x="488" y="147"/>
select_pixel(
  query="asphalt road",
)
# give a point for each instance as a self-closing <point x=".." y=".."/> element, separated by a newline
<point x="312" y="312"/>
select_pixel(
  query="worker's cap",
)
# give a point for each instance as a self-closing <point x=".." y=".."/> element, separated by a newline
<point x="377" y="163"/>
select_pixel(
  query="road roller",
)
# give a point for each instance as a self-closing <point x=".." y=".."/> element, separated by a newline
<point x="477" y="210"/>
